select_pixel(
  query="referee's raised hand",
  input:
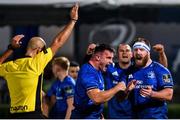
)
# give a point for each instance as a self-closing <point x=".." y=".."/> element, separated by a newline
<point x="74" y="12"/>
<point x="16" y="41"/>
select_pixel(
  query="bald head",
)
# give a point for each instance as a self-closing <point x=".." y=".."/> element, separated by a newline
<point x="36" y="42"/>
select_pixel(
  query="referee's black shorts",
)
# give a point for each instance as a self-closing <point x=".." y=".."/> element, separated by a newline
<point x="28" y="115"/>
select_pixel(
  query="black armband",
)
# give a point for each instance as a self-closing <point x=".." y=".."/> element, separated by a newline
<point x="10" y="47"/>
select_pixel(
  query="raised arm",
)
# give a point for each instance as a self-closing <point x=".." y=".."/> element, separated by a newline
<point x="15" y="43"/>
<point x="162" y="56"/>
<point x="62" y="37"/>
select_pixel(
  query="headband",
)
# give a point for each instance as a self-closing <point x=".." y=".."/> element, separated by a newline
<point x="141" y="45"/>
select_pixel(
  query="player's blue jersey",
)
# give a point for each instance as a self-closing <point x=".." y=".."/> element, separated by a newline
<point x="156" y="76"/>
<point x="62" y="90"/>
<point x="117" y="109"/>
<point x="88" y="78"/>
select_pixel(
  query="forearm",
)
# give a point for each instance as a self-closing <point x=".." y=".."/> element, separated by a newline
<point x="104" y="96"/>
<point x="15" y="43"/>
<point x="163" y="59"/>
<point x="107" y="95"/>
<point x="69" y="108"/>
<point x="165" y="94"/>
<point x="5" y="55"/>
<point x="51" y="101"/>
<point x="63" y="36"/>
<point x="68" y="113"/>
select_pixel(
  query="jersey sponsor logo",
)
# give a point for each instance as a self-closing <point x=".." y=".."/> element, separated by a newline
<point x="68" y="89"/>
<point x="166" y="78"/>
<point x="151" y="75"/>
<point x="141" y="85"/>
<point x="115" y="73"/>
<point x="130" y="76"/>
<point x="59" y="98"/>
<point x="17" y="108"/>
<point x="139" y="82"/>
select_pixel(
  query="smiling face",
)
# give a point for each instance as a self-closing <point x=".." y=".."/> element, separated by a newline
<point x="124" y="53"/>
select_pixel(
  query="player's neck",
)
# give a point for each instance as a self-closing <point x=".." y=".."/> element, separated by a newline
<point x="148" y="63"/>
<point x="62" y="76"/>
<point x="94" y="64"/>
<point x="124" y="65"/>
<point x="31" y="53"/>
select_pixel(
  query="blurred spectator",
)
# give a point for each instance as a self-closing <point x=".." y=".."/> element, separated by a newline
<point x="61" y="93"/>
<point x="74" y="69"/>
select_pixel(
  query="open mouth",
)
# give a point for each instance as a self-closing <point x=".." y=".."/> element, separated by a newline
<point x="106" y="66"/>
<point x="124" y="56"/>
<point x="138" y="57"/>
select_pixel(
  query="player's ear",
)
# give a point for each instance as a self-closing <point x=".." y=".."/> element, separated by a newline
<point x="97" y="57"/>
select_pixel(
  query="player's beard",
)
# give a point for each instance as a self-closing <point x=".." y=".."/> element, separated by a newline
<point x="141" y="62"/>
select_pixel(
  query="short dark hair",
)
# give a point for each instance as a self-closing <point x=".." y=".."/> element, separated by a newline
<point x="119" y="46"/>
<point x="74" y="64"/>
<point x="141" y="39"/>
<point x="103" y="47"/>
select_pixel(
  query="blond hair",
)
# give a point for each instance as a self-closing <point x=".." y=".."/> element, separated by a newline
<point x="63" y="62"/>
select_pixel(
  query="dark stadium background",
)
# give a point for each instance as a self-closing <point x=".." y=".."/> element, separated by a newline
<point x="113" y="25"/>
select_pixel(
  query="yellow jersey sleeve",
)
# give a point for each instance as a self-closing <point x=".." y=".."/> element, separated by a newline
<point x="40" y="61"/>
<point x="3" y="70"/>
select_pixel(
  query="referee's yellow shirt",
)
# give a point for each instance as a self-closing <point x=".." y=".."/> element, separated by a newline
<point x="23" y="81"/>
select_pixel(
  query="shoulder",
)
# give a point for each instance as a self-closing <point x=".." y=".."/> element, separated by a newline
<point x="6" y="63"/>
<point x="85" y="66"/>
<point x="49" y="50"/>
<point x="70" y="80"/>
<point x="158" y="67"/>
<point x="87" y="69"/>
<point x="47" y="53"/>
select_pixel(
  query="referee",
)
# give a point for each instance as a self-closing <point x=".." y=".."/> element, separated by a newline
<point x="24" y="75"/>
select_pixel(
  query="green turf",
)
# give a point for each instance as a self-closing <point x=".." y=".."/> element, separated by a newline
<point x="174" y="111"/>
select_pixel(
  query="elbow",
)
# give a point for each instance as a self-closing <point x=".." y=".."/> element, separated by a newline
<point x="169" y="95"/>
<point x="169" y="98"/>
<point x="97" y="101"/>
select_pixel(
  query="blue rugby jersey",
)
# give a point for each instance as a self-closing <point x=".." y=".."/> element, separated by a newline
<point x="62" y="90"/>
<point x="156" y="76"/>
<point x="117" y="109"/>
<point x="88" y="78"/>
